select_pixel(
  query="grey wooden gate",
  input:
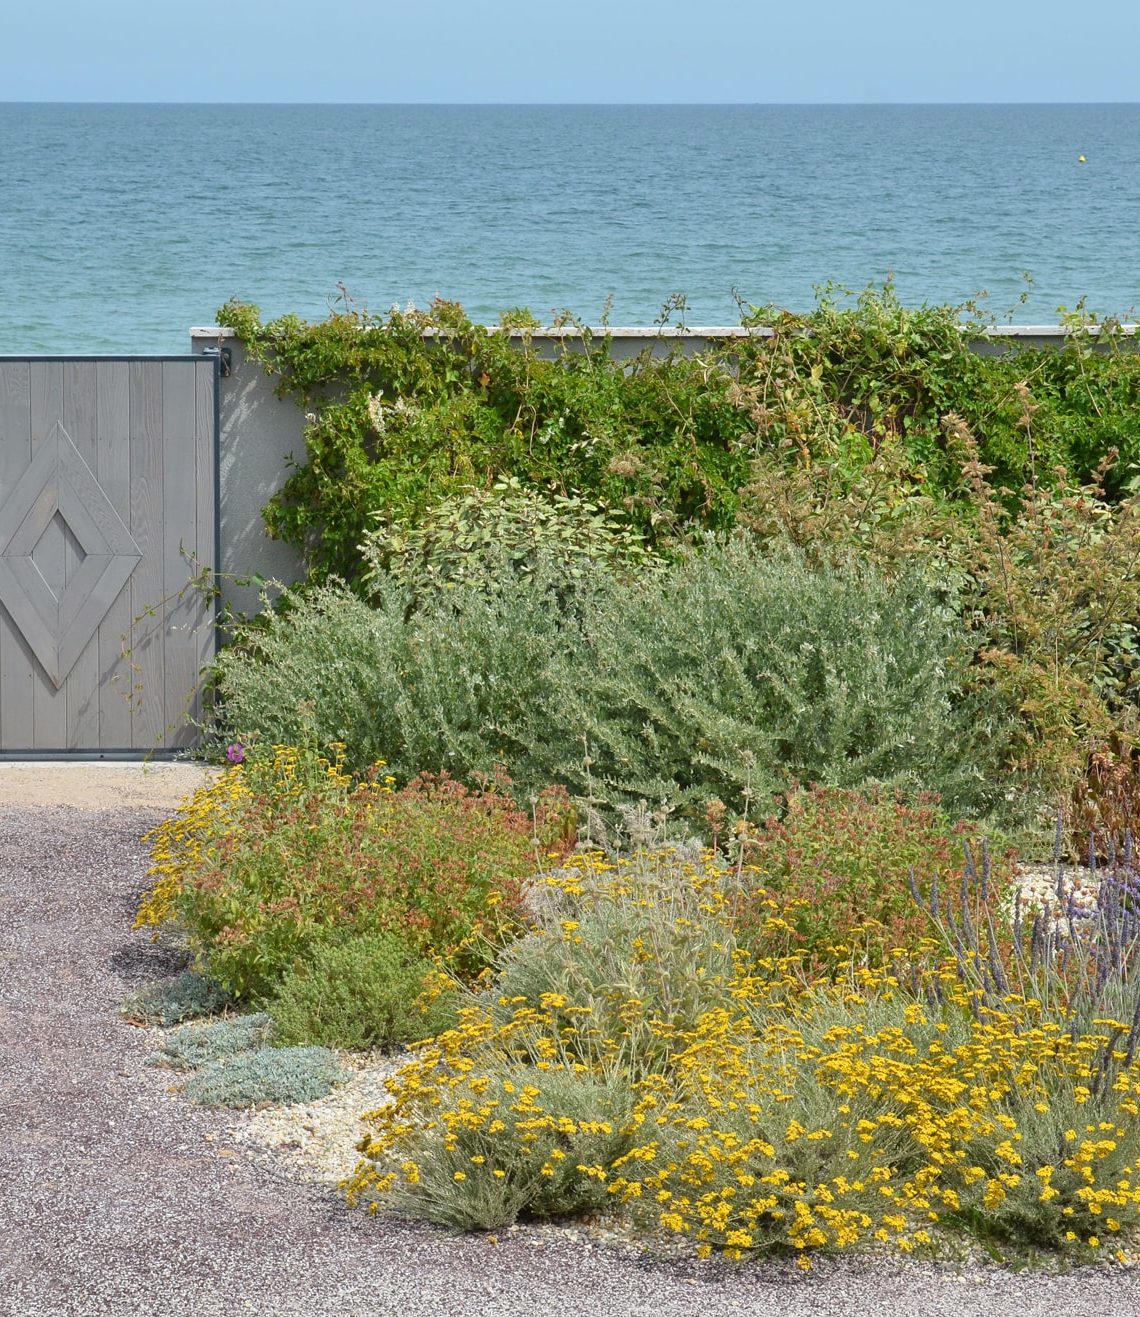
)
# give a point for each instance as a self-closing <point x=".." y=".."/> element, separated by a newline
<point x="108" y="510"/>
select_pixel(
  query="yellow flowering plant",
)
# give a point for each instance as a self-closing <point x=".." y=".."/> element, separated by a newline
<point x="287" y="851"/>
<point x="768" y="1110"/>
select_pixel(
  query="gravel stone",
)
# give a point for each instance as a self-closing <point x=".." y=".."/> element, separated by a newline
<point x="119" y="1198"/>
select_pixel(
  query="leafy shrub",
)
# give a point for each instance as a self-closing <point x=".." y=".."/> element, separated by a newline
<point x="461" y="541"/>
<point x="359" y="994"/>
<point x="421" y="406"/>
<point x="789" y="1113"/>
<point x="1106" y="799"/>
<point x="267" y="1075"/>
<point x="849" y="380"/>
<point x="734" y="669"/>
<point x="843" y="864"/>
<point x="194" y="1045"/>
<point x="743" y="671"/>
<point x="1044" y="583"/>
<point x="183" y="996"/>
<point x="1054" y="594"/>
<point x="319" y="664"/>
<point x="285" y="852"/>
<point x="448" y="688"/>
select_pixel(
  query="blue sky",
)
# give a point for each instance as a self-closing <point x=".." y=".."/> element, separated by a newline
<point x="584" y="50"/>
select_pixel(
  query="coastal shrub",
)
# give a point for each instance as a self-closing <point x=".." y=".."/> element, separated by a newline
<point x="627" y="961"/>
<point x="856" y="377"/>
<point x="1044" y="585"/>
<point x="1106" y="799"/>
<point x="183" y="996"/>
<point x="791" y="1114"/>
<point x="317" y="664"/>
<point x="466" y="540"/>
<point x="285" y="852"/>
<point x="740" y="671"/>
<point x="267" y="1075"/>
<point x="843" y="864"/>
<point x="194" y="1045"/>
<point x="736" y="669"/>
<point x="1053" y="594"/>
<point x="448" y="687"/>
<point x="476" y="676"/>
<point x="418" y="407"/>
<point x="467" y="1176"/>
<point x="359" y="994"/>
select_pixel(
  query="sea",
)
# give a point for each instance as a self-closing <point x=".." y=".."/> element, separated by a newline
<point x="121" y="226"/>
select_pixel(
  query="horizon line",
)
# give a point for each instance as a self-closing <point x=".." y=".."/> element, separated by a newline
<point x="590" y="104"/>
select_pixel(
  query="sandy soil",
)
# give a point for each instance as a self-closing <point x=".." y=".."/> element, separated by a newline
<point x="98" y="784"/>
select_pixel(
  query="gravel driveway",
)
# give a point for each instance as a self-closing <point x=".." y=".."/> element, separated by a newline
<point x="112" y="1199"/>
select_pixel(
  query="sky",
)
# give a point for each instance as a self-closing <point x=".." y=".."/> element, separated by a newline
<point x="593" y="51"/>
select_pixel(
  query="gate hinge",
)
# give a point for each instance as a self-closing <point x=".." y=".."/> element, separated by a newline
<point x="225" y="358"/>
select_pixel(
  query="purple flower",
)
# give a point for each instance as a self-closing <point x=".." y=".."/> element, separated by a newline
<point x="236" y="753"/>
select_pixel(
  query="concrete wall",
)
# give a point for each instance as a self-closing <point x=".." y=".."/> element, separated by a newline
<point x="262" y="434"/>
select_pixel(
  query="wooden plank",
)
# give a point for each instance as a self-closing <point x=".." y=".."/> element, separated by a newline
<point x="205" y="454"/>
<point x="148" y="700"/>
<point x="113" y="471"/>
<point x="81" y="688"/>
<point x="17" y="677"/>
<point x="49" y="705"/>
<point x="179" y="496"/>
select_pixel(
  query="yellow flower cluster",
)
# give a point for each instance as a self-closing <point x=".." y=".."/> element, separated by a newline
<point x="182" y="845"/>
<point x="791" y="1113"/>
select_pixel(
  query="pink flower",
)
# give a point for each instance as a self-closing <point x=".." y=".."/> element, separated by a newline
<point x="236" y="753"/>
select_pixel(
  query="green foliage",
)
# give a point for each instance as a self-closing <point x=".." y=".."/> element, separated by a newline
<point x="421" y="407"/>
<point x="849" y="381"/>
<point x="465" y="541"/>
<point x="183" y="996"/>
<point x="268" y="1075"/>
<point x="842" y="863"/>
<point x="449" y="687"/>
<point x="317" y="664"/>
<point x="732" y="670"/>
<point x="359" y="994"/>
<point x="285" y="852"/>
<point x="194" y="1045"/>
<point x="1053" y="591"/>
<point x="741" y="671"/>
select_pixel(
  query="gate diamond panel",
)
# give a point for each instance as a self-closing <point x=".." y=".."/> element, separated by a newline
<point x="59" y="487"/>
<point x="108" y="528"/>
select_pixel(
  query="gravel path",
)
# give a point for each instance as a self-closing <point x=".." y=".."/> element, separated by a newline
<point x="118" y="1198"/>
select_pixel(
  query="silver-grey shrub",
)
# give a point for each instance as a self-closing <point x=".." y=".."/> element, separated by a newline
<point x="267" y="1075"/>
<point x="736" y="669"/>
<point x="317" y="662"/>
<point x="183" y="996"/>
<point x="744" y="670"/>
<point x="447" y="686"/>
<point x="192" y="1046"/>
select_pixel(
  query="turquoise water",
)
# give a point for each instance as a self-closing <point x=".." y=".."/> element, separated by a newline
<point x="122" y="225"/>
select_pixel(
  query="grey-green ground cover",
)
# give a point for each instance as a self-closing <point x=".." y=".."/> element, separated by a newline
<point x="119" y="1197"/>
